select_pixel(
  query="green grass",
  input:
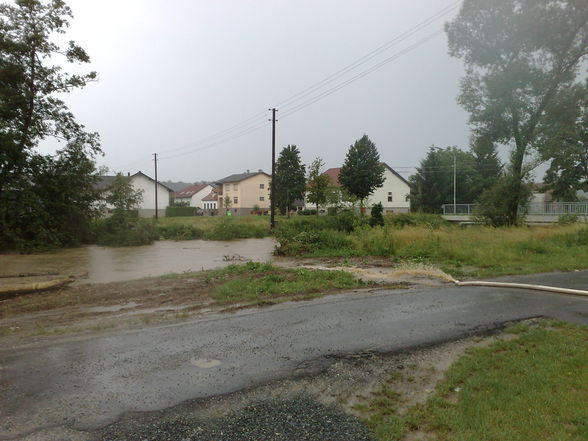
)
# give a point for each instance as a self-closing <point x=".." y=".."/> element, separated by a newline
<point x="262" y="282"/>
<point x="531" y="388"/>
<point x="477" y="251"/>
<point x="213" y="228"/>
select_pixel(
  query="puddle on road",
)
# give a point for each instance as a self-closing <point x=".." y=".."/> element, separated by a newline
<point x="104" y="264"/>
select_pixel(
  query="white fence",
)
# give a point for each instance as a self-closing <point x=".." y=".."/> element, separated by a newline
<point x="535" y="209"/>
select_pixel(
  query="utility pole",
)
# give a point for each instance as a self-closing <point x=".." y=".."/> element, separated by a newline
<point x="454" y="182"/>
<point x="273" y="189"/>
<point x="156" y="211"/>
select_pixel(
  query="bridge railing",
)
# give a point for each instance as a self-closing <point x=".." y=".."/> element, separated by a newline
<point x="535" y="208"/>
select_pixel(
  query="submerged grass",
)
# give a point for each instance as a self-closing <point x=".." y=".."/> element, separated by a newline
<point x="531" y="388"/>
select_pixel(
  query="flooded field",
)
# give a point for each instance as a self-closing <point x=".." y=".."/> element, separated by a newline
<point x="104" y="264"/>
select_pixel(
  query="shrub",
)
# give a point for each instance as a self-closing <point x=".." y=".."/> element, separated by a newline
<point x="567" y="219"/>
<point x="376" y="217"/>
<point x="179" y="232"/>
<point x="231" y="228"/>
<point x="431" y="221"/>
<point x="307" y="212"/>
<point x="124" y="228"/>
<point x="179" y="211"/>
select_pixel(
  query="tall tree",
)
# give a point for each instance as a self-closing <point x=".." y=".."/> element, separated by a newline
<point x="564" y="142"/>
<point x="31" y="110"/>
<point x="487" y="164"/>
<point x="317" y="184"/>
<point x="519" y="55"/>
<point x="362" y="171"/>
<point x="433" y="183"/>
<point x="290" y="178"/>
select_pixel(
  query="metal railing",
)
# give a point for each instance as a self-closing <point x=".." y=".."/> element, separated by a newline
<point x="535" y="208"/>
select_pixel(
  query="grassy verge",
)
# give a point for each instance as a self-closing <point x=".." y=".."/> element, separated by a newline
<point x="261" y="282"/>
<point x="477" y="251"/>
<point x="531" y="388"/>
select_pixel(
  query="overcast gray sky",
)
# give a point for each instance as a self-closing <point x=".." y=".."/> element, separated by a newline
<point x="174" y="72"/>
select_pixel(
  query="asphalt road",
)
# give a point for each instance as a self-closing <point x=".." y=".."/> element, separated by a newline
<point x="87" y="383"/>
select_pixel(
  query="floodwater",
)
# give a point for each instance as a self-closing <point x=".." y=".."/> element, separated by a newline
<point x="104" y="264"/>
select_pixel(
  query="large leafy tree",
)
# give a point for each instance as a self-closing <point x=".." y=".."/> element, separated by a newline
<point x="519" y="55"/>
<point x="362" y="172"/>
<point x="433" y="183"/>
<point x="317" y="184"/>
<point x="564" y="142"/>
<point x="35" y="189"/>
<point x="487" y="165"/>
<point x="290" y="178"/>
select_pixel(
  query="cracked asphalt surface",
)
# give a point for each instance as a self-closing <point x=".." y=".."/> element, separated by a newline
<point x="81" y="385"/>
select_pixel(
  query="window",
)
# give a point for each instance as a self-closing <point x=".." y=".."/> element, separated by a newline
<point x="389" y="196"/>
<point x="235" y="187"/>
<point x="261" y="186"/>
<point x="261" y="198"/>
<point x="235" y="200"/>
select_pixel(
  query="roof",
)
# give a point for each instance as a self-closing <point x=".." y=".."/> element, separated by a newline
<point x="239" y="177"/>
<point x="333" y="173"/>
<point x="213" y="196"/>
<point x="190" y="191"/>
<point x="105" y="182"/>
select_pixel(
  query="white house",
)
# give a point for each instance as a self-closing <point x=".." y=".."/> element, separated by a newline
<point x="394" y="194"/>
<point x="210" y="202"/>
<point x="140" y="181"/>
<point x="193" y="195"/>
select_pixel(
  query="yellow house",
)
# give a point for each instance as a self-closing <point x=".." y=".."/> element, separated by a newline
<point x="244" y="191"/>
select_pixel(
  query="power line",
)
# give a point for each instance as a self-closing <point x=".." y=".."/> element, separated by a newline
<point x="369" y="56"/>
<point x="251" y="124"/>
<point x="360" y="75"/>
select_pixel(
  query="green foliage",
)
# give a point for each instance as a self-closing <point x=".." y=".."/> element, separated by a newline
<point x="317" y="184"/>
<point x="180" y="210"/>
<point x="377" y="215"/>
<point x="401" y="220"/>
<point x="514" y="73"/>
<point x="179" y="232"/>
<point x="122" y="195"/>
<point x="362" y="171"/>
<point x="494" y="206"/>
<point x="432" y="184"/>
<point x="570" y="218"/>
<point x="564" y="142"/>
<point x="290" y="178"/>
<point x="124" y="228"/>
<point x="45" y="200"/>
<point x="487" y="165"/>
<point x="231" y="229"/>
<point x="308" y="212"/>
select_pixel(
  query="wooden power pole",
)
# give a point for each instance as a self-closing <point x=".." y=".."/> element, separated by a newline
<point x="273" y="188"/>
<point x="156" y="208"/>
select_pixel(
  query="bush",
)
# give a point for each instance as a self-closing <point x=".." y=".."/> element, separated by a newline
<point x="179" y="232"/>
<point x="401" y="220"/>
<point x="567" y="219"/>
<point x="376" y="217"/>
<point x="124" y="228"/>
<point x="178" y="211"/>
<point x="231" y="228"/>
<point x="376" y="241"/>
<point x="307" y="212"/>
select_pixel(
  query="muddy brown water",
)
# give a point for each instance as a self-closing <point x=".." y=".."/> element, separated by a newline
<point x="104" y="264"/>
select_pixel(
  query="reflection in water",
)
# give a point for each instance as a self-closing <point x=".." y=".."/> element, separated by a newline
<point x="126" y="263"/>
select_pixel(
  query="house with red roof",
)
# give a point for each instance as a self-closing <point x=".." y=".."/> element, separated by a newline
<point x="210" y="202"/>
<point x="193" y="195"/>
<point x="394" y="194"/>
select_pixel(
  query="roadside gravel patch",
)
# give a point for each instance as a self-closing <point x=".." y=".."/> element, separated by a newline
<point x="294" y="419"/>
